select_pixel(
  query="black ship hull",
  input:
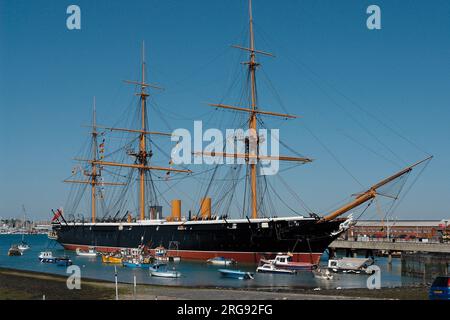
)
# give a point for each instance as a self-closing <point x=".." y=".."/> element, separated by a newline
<point x="242" y="240"/>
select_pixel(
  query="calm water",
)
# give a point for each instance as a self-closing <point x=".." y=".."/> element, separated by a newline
<point x="194" y="273"/>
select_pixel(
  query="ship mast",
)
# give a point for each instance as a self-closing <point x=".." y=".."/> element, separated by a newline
<point x="95" y="172"/>
<point x="94" y="166"/>
<point x="142" y="156"/>
<point x="252" y="123"/>
<point x="252" y="154"/>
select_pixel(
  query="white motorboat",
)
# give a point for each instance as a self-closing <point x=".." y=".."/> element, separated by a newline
<point x="47" y="257"/>
<point x="349" y="265"/>
<point x="90" y="253"/>
<point x="221" y="261"/>
<point x="23" y="246"/>
<point x="271" y="268"/>
<point x="284" y="261"/>
<point x="160" y="270"/>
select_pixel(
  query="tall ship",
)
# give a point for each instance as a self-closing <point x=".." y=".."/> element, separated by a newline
<point x="247" y="233"/>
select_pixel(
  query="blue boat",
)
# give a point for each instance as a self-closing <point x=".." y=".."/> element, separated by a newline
<point x="63" y="261"/>
<point x="129" y="264"/>
<point x="236" y="274"/>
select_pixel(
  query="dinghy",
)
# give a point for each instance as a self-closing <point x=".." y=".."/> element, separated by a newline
<point x="236" y="274"/>
<point x="221" y="261"/>
<point x="23" y="246"/>
<point x="90" y="253"/>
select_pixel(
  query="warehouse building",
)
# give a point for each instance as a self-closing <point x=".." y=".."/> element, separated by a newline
<point x="406" y="230"/>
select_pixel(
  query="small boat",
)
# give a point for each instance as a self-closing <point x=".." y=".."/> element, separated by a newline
<point x="349" y="265"/>
<point x="168" y="258"/>
<point x="90" y="253"/>
<point x="116" y="259"/>
<point x="63" y="261"/>
<point x="23" y="246"/>
<point x="161" y="255"/>
<point x="221" y="261"/>
<point x="284" y="261"/>
<point x="15" y="251"/>
<point x="46" y="257"/>
<point x="236" y="274"/>
<point x="130" y="264"/>
<point x="136" y="263"/>
<point x="160" y="270"/>
<point x="271" y="268"/>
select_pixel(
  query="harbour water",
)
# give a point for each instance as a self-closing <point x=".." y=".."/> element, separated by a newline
<point x="195" y="273"/>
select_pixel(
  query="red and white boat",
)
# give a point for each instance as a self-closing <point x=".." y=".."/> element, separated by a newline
<point x="284" y="261"/>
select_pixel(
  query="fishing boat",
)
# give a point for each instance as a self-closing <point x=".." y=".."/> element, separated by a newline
<point x="161" y="254"/>
<point x="271" y="268"/>
<point x="89" y="253"/>
<point x="221" y="261"/>
<point x="136" y="258"/>
<point x="15" y="251"/>
<point x="250" y="229"/>
<point x="284" y="261"/>
<point x="169" y="258"/>
<point x="349" y="265"/>
<point x="236" y="274"/>
<point x="160" y="270"/>
<point x="63" y="261"/>
<point x="46" y="257"/>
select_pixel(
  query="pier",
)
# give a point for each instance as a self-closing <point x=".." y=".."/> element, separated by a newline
<point x="418" y="258"/>
<point x="391" y="246"/>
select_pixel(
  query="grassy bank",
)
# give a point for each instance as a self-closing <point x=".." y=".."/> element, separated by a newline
<point x="26" y="285"/>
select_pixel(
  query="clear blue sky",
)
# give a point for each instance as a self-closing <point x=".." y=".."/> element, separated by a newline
<point x="400" y="74"/>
